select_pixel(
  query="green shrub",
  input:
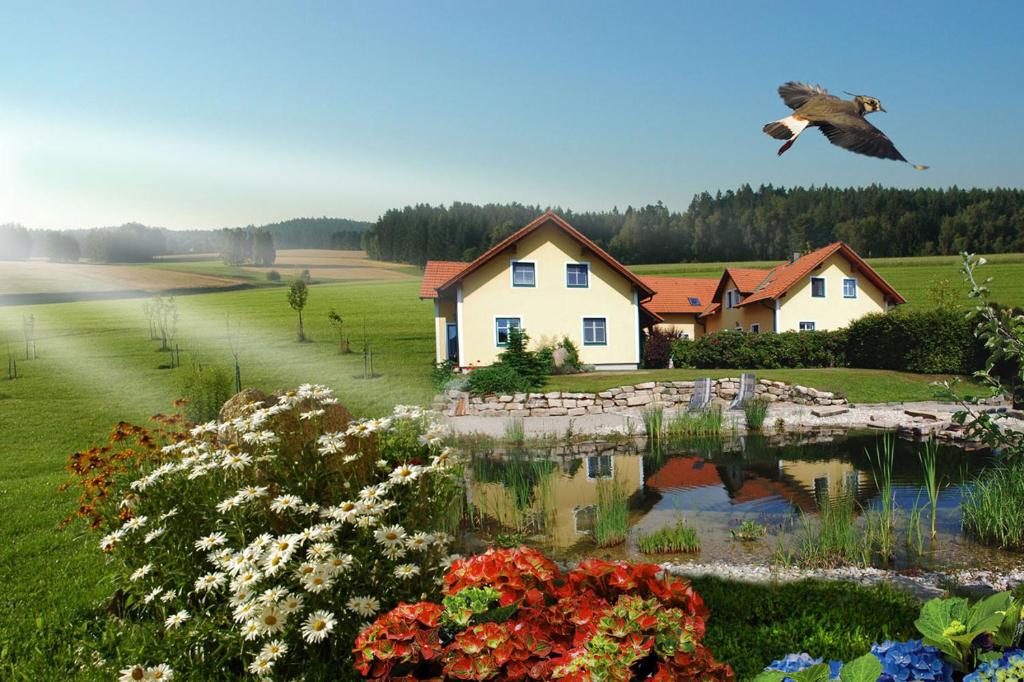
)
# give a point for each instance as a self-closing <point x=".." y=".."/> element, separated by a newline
<point x="732" y="349"/>
<point x="571" y="364"/>
<point x="751" y="624"/>
<point x="442" y="374"/>
<point x="206" y="388"/>
<point x="498" y="378"/>
<point x="672" y="539"/>
<point x="658" y="349"/>
<point x="928" y="342"/>
<point x="273" y="276"/>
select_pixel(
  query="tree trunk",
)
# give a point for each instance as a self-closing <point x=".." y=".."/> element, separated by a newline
<point x="302" y="334"/>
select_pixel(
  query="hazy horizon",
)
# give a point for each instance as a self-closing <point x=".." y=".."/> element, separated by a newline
<point x="199" y="117"/>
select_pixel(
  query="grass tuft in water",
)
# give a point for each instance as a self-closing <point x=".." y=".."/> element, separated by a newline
<point x="515" y="431"/>
<point x="992" y="509"/>
<point x="881" y="472"/>
<point x="612" y="520"/>
<point x="707" y="422"/>
<point x="654" y="422"/>
<point x="755" y="410"/>
<point x="832" y="539"/>
<point x="670" y="540"/>
<point x="748" y="531"/>
<point x="931" y="481"/>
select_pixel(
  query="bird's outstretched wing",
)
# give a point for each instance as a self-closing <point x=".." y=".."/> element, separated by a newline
<point x="795" y="95"/>
<point x="859" y="136"/>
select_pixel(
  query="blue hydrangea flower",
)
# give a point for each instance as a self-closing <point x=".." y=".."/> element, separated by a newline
<point x="794" y="663"/>
<point x="904" y="661"/>
<point x="1009" y="667"/>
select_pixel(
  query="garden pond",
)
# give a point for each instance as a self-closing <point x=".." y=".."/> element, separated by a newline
<point x="564" y="499"/>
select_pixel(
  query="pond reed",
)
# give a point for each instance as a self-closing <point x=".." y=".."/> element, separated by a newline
<point x="992" y="509"/>
<point x="931" y="482"/>
<point x="670" y="540"/>
<point x="515" y="431"/>
<point x="654" y="422"/>
<point x="881" y="472"/>
<point x="707" y="422"/>
<point x="612" y="520"/>
<point x="755" y="410"/>
<point x="832" y="539"/>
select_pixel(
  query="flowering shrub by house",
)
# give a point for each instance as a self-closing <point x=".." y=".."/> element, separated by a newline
<point x="262" y="544"/>
<point x="510" y="614"/>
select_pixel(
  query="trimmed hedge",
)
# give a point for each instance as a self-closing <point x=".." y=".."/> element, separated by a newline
<point x="925" y="342"/>
<point x="731" y="349"/>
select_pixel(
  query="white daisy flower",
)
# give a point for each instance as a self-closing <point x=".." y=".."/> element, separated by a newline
<point x="311" y="414"/>
<point x="211" y="541"/>
<point x="250" y="630"/>
<point x="140" y="572"/>
<point x="154" y="534"/>
<point x="152" y="594"/>
<point x="317" y="581"/>
<point x="343" y="511"/>
<point x="176" y="620"/>
<point x="132" y="673"/>
<point x="407" y="571"/>
<point x="339" y="562"/>
<point x="394" y="553"/>
<point x="210" y="581"/>
<point x="419" y="541"/>
<point x="272" y="620"/>
<point x="406" y="473"/>
<point x="200" y="429"/>
<point x="373" y="492"/>
<point x="364" y="606"/>
<point x="110" y="540"/>
<point x="318" y="626"/>
<point x="291" y="603"/>
<point x="135" y="523"/>
<point x="273" y="595"/>
<point x="389" y="536"/>
<point x="237" y="461"/>
<point x="284" y="503"/>
<point x="261" y="666"/>
<point x="274" y="650"/>
<point x="275" y="561"/>
<point x="162" y="673"/>
<point x="245" y="611"/>
<point x="169" y="596"/>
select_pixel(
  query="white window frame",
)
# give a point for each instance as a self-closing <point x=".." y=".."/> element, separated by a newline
<point x="755" y="328"/>
<point x="512" y="274"/>
<point x="583" y="329"/>
<point x="732" y="298"/>
<point x="814" y="325"/>
<point x="497" y="343"/>
<point x="824" y="286"/>
<point x="585" y="264"/>
<point x="855" y="286"/>
<point x="611" y="468"/>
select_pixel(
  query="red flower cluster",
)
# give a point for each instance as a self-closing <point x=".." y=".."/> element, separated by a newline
<point x="603" y="620"/>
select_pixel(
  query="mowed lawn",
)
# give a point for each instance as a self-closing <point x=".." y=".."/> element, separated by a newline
<point x="915" y="278"/>
<point x="858" y="385"/>
<point x="97" y="366"/>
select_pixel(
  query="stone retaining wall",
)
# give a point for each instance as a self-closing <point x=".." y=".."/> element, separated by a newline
<point x="665" y="393"/>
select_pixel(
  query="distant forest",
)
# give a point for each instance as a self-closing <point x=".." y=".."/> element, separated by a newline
<point x="747" y="224"/>
<point x="136" y="243"/>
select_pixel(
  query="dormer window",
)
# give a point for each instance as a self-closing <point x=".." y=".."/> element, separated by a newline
<point x="524" y="274"/>
<point x="732" y="298"/>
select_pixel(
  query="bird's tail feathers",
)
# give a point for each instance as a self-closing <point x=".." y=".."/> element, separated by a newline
<point x="788" y="129"/>
<point x="918" y="166"/>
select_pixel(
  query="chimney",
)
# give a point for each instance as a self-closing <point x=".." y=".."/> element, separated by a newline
<point x="795" y="257"/>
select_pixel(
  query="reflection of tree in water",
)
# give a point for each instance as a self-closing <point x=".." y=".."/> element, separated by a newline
<point x="520" y="473"/>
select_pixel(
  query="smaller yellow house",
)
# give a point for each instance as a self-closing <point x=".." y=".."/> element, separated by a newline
<point x="823" y="290"/>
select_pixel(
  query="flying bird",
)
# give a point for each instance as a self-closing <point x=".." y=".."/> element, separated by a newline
<point x="841" y="121"/>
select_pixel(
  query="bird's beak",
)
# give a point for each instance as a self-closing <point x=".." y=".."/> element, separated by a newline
<point x="882" y="109"/>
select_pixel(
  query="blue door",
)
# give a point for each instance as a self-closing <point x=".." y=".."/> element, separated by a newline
<point x="453" y="342"/>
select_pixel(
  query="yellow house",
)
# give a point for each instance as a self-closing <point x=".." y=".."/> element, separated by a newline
<point x="547" y="279"/>
<point x="826" y="289"/>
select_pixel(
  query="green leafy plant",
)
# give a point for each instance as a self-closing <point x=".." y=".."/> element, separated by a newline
<point x="205" y="388"/>
<point x="676" y="538"/>
<point x="992" y="511"/>
<point x="866" y="668"/>
<point x="748" y="531"/>
<point x="442" y="373"/>
<point x="953" y="625"/>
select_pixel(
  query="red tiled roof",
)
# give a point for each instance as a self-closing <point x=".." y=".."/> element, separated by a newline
<point x="712" y="309"/>
<point x="747" y="279"/>
<point x="786" y="275"/>
<point x="685" y="472"/>
<point x="558" y="221"/>
<point x="673" y="294"/>
<point x="438" y="272"/>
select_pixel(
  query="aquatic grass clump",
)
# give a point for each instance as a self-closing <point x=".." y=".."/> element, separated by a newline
<point x="680" y="537"/>
<point x="654" y="421"/>
<point x="748" y="531"/>
<point x="992" y="509"/>
<point x="927" y="456"/>
<point x="612" y="519"/>
<point x="881" y="472"/>
<point x="515" y="431"/>
<point x="528" y="482"/>
<point x="707" y="422"/>
<point x="755" y="410"/>
<point x="833" y="540"/>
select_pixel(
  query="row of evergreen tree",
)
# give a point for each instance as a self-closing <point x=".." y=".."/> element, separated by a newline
<point x="746" y="224"/>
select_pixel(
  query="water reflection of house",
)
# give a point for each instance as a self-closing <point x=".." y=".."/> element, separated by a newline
<point x="800" y="483"/>
<point x="564" y="499"/>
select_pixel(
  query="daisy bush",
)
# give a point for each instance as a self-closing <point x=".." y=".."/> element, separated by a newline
<point x="261" y="544"/>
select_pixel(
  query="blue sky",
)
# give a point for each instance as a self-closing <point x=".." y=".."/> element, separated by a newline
<point x="210" y="114"/>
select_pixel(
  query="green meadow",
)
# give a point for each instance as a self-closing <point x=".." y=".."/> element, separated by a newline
<point x="96" y="366"/>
